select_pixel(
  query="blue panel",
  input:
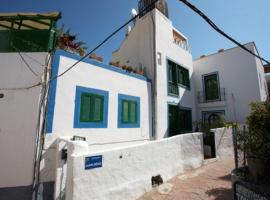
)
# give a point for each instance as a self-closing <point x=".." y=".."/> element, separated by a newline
<point x="93" y="162"/>
<point x="77" y="123"/>
<point x="52" y="93"/>
<point x="131" y="98"/>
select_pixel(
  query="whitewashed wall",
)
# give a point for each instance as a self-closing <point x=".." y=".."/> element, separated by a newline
<point x="239" y="75"/>
<point x="223" y="142"/>
<point x="173" y="52"/>
<point x="126" y="172"/>
<point x="18" y="117"/>
<point x="91" y="76"/>
<point x="138" y="48"/>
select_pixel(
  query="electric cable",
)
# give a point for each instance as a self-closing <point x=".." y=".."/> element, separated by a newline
<point x="148" y="8"/>
<point x="215" y="27"/>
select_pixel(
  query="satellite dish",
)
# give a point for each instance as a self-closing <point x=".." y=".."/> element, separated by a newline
<point x="134" y="12"/>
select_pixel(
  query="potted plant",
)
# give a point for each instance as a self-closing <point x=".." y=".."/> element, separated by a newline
<point x="124" y="67"/>
<point x="257" y="140"/>
<point x="129" y="69"/>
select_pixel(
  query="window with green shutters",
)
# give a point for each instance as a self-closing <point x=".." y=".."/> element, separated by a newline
<point x="177" y="75"/>
<point x="92" y="106"/>
<point x="129" y="112"/>
<point x="211" y="87"/>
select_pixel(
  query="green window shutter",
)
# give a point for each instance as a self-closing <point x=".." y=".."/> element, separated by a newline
<point x="92" y="107"/>
<point x="211" y="87"/>
<point x="170" y="75"/>
<point x="133" y="112"/>
<point x="125" y="113"/>
<point x="85" y="107"/>
<point x="129" y="112"/>
<point x="97" y="108"/>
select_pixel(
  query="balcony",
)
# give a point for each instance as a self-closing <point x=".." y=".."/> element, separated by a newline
<point x="204" y="101"/>
<point x="173" y="89"/>
<point x="182" y="45"/>
<point x="28" y="32"/>
<point x="181" y="41"/>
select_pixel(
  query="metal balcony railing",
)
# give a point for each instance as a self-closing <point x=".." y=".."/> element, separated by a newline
<point x="202" y="98"/>
<point x="183" y="45"/>
<point x="173" y="89"/>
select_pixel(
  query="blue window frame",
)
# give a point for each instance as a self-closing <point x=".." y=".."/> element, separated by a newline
<point x="96" y="97"/>
<point x="128" y="111"/>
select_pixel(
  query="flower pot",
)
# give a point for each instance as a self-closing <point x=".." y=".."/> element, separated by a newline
<point x="257" y="167"/>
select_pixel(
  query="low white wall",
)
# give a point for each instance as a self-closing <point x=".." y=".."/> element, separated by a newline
<point x="223" y="142"/>
<point x="126" y="172"/>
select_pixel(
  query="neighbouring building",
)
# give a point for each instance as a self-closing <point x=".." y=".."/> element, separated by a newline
<point x="108" y="105"/>
<point x="267" y="76"/>
<point x="26" y="40"/>
<point x="154" y="43"/>
<point x="227" y="82"/>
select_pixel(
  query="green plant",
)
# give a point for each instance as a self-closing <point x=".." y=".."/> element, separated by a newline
<point x="257" y="139"/>
<point x="205" y="127"/>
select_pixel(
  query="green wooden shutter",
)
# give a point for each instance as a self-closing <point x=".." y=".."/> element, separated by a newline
<point x="92" y="107"/>
<point x="170" y="74"/>
<point x="97" y="108"/>
<point x="85" y="107"/>
<point x="125" y="113"/>
<point x="132" y="112"/>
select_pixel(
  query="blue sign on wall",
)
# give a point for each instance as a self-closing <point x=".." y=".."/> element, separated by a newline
<point x="93" y="162"/>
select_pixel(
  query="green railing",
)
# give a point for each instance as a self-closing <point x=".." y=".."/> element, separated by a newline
<point x="27" y="40"/>
<point x="173" y="89"/>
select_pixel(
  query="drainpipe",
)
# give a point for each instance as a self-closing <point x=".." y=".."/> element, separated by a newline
<point x="154" y="81"/>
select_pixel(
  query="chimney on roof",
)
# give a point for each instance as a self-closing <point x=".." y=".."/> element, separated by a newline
<point x="202" y="56"/>
<point x="161" y="5"/>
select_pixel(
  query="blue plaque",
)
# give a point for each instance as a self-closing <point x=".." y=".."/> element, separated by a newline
<point x="93" y="162"/>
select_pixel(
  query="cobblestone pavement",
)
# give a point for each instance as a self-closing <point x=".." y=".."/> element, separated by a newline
<point x="212" y="181"/>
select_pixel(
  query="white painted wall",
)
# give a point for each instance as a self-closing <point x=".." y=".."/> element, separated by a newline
<point x="169" y="50"/>
<point x="18" y="117"/>
<point x="90" y="76"/>
<point x="138" y="48"/>
<point x="238" y="74"/>
<point x="126" y="172"/>
<point x="223" y="142"/>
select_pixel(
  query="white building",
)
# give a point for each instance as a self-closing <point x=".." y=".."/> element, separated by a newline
<point x="25" y="42"/>
<point x="156" y="44"/>
<point x="227" y="82"/>
<point x="109" y="106"/>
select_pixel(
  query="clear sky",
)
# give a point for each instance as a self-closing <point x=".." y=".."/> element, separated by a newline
<point x="93" y="20"/>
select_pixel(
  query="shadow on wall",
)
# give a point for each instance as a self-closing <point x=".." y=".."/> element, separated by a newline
<point x="47" y="172"/>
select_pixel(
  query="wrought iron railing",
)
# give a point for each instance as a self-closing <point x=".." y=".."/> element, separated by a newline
<point x="202" y="98"/>
<point x="183" y="44"/>
<point x="173" y="89"/>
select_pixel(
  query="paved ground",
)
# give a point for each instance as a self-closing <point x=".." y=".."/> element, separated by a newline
<point x="212" y="181"/>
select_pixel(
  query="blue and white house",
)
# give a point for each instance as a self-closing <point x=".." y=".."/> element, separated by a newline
<point x="112" y="107"/>
<point x="103" y="103"/>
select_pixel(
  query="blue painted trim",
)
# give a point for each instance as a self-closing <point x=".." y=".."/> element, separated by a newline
<point x="76" y="122"/>
<point x="52" y="93"/>
<point x="130" y="98"/>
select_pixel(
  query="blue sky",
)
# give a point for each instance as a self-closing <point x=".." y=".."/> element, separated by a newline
<point x="93" y="20"/>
